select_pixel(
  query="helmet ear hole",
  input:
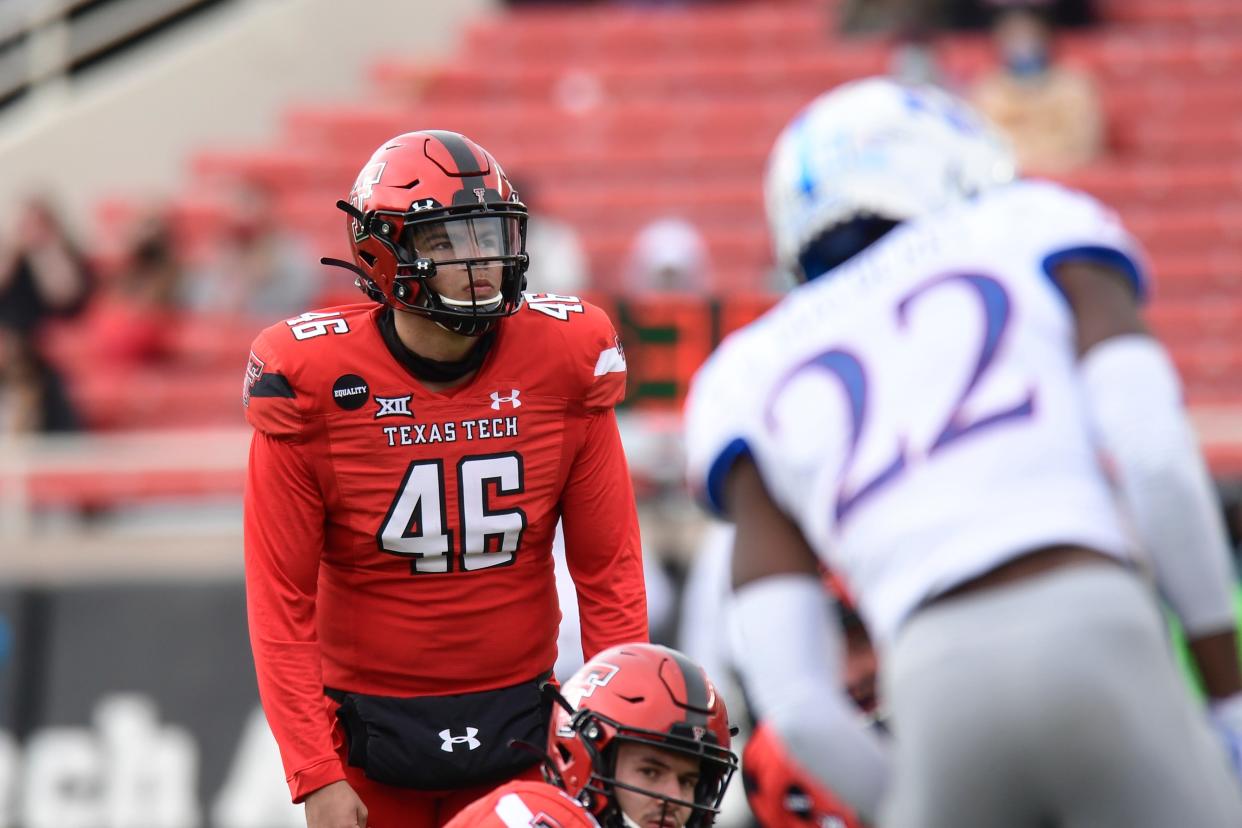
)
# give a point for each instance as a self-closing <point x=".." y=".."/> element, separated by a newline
<point x="367" y="258"/>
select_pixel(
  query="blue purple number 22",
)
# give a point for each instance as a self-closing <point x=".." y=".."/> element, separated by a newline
<point x="852" y="375"/>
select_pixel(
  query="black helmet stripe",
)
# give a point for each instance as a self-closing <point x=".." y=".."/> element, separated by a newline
<point x="465" y="160"/>
<point x="697" y="698"/>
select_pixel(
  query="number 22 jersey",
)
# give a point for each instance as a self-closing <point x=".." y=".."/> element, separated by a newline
<point x="398" y="540"/>
<point x="917" y="411"/>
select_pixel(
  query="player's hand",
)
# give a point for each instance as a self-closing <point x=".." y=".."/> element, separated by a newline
<point x="1226" y="715"/>
<point x="335" y="806"/>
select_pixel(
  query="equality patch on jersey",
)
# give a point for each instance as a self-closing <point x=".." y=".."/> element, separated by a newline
<point x="350" y="392"/>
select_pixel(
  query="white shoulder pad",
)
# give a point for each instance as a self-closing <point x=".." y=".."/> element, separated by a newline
<point x="1062" y="224"/>
<point x="719" y="420"/>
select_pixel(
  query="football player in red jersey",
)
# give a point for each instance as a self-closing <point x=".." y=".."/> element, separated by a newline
<point x="642" y="741"/>
<point x="411" y="458"/>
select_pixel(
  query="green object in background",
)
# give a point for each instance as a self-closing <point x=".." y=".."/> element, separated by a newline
<point x="1183" y="654"/>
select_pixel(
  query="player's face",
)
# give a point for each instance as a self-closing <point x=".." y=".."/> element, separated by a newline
<point x="663" y="772"/>
<point x="475" y="238"/>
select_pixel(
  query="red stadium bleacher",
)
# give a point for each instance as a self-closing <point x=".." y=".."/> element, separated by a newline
<point x="621" y="114"/>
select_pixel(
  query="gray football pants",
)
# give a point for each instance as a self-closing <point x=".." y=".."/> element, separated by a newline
<point x="1052" y="701"/>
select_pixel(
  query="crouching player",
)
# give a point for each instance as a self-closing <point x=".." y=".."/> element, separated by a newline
<point x="643" y="740"/>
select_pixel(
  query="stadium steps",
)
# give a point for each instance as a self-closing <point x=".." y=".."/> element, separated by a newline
<point x="619" y="115"/>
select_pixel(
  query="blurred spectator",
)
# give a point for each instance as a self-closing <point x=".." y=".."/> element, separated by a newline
<point x="1050" y="111"/>
<point x="42" y="274"/>
<point x="668" y="255"/>
<point x="979" y="14"/>
<point x="914" y="62"/>
<point x="558" y="263"/>
<point x="900" y="17"/>
<point x="32" y="395"/>
<point x="260" y="270"/>
<point x="135" y="319"/>
<point x="921" y="18"/>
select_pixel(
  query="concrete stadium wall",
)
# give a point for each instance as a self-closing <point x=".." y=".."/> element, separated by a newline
<point x="219" y="81"/>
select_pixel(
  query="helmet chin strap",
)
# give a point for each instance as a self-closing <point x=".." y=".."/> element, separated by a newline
<point x="472" y="304"/>
<point x="467" y="326"/>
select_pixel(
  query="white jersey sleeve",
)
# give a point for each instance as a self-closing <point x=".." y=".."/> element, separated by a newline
<point x="1060" y="224"/>
<point x="718" y="423"/>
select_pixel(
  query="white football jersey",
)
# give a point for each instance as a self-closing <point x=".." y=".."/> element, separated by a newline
<point x="918" y="411"/>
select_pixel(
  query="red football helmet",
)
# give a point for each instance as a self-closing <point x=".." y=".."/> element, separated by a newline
<point x="644" y="694"/>
<point x="432" y="200"/>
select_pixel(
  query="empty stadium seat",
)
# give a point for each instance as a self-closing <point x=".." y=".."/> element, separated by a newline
<point x="621" y="115"/>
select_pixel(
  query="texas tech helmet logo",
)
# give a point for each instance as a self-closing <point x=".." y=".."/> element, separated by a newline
<point x="364" y="185"/>
<point x="599" y="676"/>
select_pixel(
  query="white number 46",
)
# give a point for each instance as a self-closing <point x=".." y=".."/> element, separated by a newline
<point x="310" y="325"/>
<point x="554" y="305"/>
<point x="418" y="527"/>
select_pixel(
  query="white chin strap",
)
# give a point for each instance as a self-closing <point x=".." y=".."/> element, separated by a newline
<point x="471" y="304"/>
<point x="627" y="822"/>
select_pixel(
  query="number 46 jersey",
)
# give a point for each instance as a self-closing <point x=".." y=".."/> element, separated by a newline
<point x="398" y="540"/>
<point x="917" y="411"/>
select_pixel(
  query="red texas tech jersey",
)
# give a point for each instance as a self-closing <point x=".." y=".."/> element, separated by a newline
<point x="398" y="539"/>
<point x="524" y="804"/>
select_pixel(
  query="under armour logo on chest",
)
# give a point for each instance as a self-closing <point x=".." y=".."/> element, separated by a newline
<point x="512" y="399"/>
<point x="451" y="741"/>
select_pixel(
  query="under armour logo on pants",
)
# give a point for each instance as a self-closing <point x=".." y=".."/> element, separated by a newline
<point x="468" y="740"/>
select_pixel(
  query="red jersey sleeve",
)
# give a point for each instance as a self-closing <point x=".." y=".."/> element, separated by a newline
<point x="272" y="406"/>
<point x="604" y="361"/>
<point x="284" y="517"/>
<point x="602" y="544"/>
<point x="590" y="357"/>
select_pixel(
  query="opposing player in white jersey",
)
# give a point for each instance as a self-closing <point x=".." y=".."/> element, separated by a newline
<point x="964" y="416"/>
